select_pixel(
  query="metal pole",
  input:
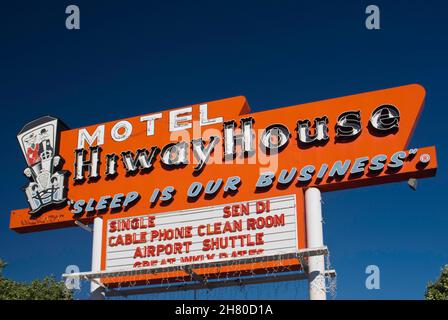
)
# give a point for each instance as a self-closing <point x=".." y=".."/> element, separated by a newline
<point x="96" y="291"/>
<point x="316" y="264"/>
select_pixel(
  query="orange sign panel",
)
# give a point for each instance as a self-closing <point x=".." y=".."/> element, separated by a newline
<point x="149" y="176"/>
<point x="337" y="143"/>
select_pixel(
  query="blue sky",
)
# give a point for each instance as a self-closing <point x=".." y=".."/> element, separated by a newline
<point x="136" y="57"/>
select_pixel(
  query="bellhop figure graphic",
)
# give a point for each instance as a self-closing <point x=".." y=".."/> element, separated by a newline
<point x="38" y="141"/>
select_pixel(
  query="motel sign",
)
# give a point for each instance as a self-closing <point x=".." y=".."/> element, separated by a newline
<point x="209" y="184"/>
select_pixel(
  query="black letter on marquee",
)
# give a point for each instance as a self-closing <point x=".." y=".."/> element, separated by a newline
<point x="384" y="119"/>
<point x="92" y="165"/>
<point x="274" y="138"/>
<point x="174" y="154"/>
<point x="143" y="160"/>
<point x="111" y="164"/>
<point x="320" y="135"/>
<point x="246" y="138"/>
<point x="201" y="152"/>
<point x="348" y="126"/>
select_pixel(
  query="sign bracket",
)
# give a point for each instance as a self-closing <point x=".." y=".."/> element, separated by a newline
<point x="83" y="226"/>
<point x="288" y="276"/>
<point x="200" y="282"/>
<point x="299" y="254"/>
<point x="194" y="275"/>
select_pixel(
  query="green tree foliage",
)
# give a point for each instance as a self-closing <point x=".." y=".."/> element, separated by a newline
<point x="3" y="264"/>
<point x="46" y="289"/>
<point x="439" y="289"/>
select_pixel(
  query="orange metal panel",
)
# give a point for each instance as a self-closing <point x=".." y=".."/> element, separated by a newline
<point x="408" y="99"/>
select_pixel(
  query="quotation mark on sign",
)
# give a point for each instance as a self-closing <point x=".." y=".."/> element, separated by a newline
<point x="373" y="280"/>
<point x="72" y="22"/>
<point x="373" y="20"/>
<point x="411" y="154"/>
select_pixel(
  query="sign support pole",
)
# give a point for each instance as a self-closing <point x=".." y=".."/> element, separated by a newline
<point x="314" y="230"/>
<point x="97" y="291"/>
